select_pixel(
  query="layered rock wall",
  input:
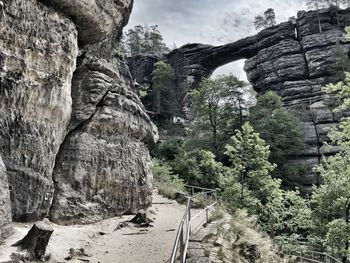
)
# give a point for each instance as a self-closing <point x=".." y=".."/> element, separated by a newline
<point x="73" y="133"/>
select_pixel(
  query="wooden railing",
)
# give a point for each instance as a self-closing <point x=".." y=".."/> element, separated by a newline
<point x="185" y="228"/>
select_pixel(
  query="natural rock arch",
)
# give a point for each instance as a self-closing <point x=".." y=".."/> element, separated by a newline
<point x="293" y="58"/>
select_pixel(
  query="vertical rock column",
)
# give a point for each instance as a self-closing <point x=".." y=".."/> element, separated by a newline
<point x="38" y="50"/>
<point x="103" y="168"/>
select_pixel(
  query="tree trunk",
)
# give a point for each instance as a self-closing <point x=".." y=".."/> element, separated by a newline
<point x="319" y="21"/>
<point x="36" y="240"/>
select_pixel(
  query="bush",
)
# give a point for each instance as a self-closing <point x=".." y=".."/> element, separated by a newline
<point x="167" y="183"/>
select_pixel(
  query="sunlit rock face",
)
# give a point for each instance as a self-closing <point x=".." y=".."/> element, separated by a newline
<point x="294" y="59"/>
<point x="73" y="133"/>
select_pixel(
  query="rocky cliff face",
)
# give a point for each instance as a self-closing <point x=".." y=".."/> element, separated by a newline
<point x="5" y="203"/>
<point x="72" y="131"/>
<point x="293" y="58"/>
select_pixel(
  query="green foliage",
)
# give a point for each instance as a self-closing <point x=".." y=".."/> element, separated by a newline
<point x="286" y="213"/>
<point x="248" y="184"/>
<point x="331" y="201"/>
<point x="168" y="184"/>
<point x="198" y="168"/>
<point x="250" y="169"/>
<point x="219" y="107"/>
<point x="169" y="150"/>
<point x="143" y="40"/>
<point x="341" y="56"/>
<point x="249" y="241"/>
<point x="166" y="101"/>
<point x="282" y="132"/>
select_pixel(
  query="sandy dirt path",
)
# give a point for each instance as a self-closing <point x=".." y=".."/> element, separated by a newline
<point x="104" y="244"/>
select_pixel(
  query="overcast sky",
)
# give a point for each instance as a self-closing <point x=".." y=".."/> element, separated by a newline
<point x="208" y="21"/>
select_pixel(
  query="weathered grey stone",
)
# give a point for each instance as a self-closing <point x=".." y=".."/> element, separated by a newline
<point x="195" y="252"/>
<point x="73" y="132"/>
<point x="94" y="18"/>
<point x="5" y="203"/>
<point x="198" y="260"/>
<point x="103" y="168"/>
<point x="37" y="60"/>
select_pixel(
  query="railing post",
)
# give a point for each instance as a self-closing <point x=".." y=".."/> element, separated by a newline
<point x="182" y="246"/>
<point x="189" y="217"/>
<point x="192" y="190"/>
<point x="207" y="215"/>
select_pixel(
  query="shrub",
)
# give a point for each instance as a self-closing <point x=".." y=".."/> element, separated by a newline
<point x="167" y="183"/>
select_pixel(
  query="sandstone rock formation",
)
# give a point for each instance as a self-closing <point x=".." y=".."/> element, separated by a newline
<point x="37" y="60"/>
<point x="293" y="58"/>
<point x="5" y="204"/>
<point x="73" y="133"/>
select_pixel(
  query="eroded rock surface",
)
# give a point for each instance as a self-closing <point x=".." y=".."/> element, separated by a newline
<point x="38" y="50"/>
<point x="73" y="133"/>
<point x="5" y="204"/>
<point x="103" y="168"/>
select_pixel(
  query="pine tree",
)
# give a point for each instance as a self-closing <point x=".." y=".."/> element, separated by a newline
<point x="282" y="131"/>
<point x="259" y="22"/>
<point x="163" y="89"/>
<point x="317" y="5"/>
<point x="134" y="40"/>
<point x="270" y="17"/>
<point x="268" y="20"/>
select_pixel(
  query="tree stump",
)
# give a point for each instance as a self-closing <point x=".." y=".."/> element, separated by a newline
<point x="36" y="240"/>
<point x="141" y="219"/>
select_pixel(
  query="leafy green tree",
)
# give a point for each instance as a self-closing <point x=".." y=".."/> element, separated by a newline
<point x="248" y="184"/>
<point x="266" y="21"/>
<point x="166" y="181"/>
<point x="286" y="213"/>
<point x="331" y="201"/>
<point x="219" y="107"/>
<point x="250" y="169"/>
<point x="164" y="90"/>
<point x="198" y="168"/>
<point x="282" y="132"/>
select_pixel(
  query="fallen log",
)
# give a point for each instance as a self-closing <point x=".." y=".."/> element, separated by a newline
<point x="36" y="240"/>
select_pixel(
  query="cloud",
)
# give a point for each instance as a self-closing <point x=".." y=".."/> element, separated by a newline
<point x="208" y="21"/>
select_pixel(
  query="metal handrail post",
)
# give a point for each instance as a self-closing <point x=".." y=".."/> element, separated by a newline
<point x="182" y="245"/>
